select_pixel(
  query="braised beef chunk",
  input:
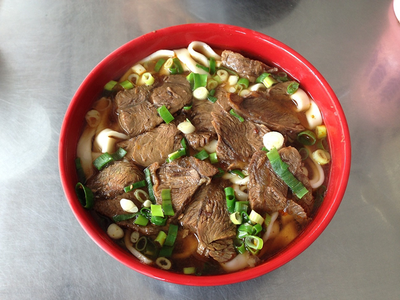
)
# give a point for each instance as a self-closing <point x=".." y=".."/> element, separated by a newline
<point x="110" y="181"/>
<point x="135" y="113"/>
<point x="292" y="157"/>
<point x="297" y="211"/>
<point x="244" y="66"/>
<point x="207" y="216"/>
<point x="112" y="207"/>
<point x="174" y="93"/>
<point x="267" y="192"/>
<point x="154" y="145"/>
<point x="237" y="141"/>
<point x="183" y="176"/>
<point x="264" y="109"/>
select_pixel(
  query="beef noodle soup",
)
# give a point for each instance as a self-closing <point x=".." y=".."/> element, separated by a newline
<point x="201" y="161"/>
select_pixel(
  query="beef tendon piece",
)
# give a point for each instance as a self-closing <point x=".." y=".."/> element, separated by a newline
<point x="237" y="141"/>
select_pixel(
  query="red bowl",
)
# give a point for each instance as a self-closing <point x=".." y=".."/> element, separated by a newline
<point x="254" y="44"/>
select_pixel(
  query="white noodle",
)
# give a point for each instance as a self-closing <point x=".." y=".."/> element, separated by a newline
<point x="204" y="49"/>
<point x="157" y="55"/>
<point x="129" y="246"/>
<point x="241" y="261"/>
<point x="84" y="150"/>
<point x="184" y="56"/>
<point x="267" y="233"/>
<point x="240" y="195"/>
<point x="107" y="139"/>
<point x="318" y="174"/>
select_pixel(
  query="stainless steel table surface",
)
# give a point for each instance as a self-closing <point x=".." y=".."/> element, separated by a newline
<point x="48" y="47"/>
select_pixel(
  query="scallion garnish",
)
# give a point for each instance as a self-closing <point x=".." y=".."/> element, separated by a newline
<point x="119" y="218"/>
<point x="178" y="65"/>
<point x="212" y="65"/>
<point x="141" y="220"/>
<point x="104" y="159"/>
<point x="119" y="154"/>
<point x="202" y="67"/>
<point x="156" y="210"/>
<point x="306" y="137"/>
<point x="292" y="88"/>
<point x="238" y="173"/>
<point x="269" y="81"/>
<point x="175" y="155"/>
<point x="159" y="64"/>
<point x="253" y="243"/>
<point x="235" y="114"/>
<point x="241" y="206"/>
<point x="197" y="80"/>
<point x="230" y="198"/>
<point x="281" y="169"/>
<point x="127" y="85"/>
<point x="165" y="251"/>
<point x="149" y="185"/>
<point x="282" y="76"/>
<point x="202" y="155"/>
<point x="159" y="221"/>
<point x="213" y="158"/>
<point x="167" y="202"/>
<point x="110" y="85"/>
<point x="243" y="83"/>
<point x="160" y="239"/>
<point x="261" y="78"/>
<point x="85" y="195"/>
<point x="165" y="114"/>
<point x="135" y="186"/>
<point x="172" y="234"/>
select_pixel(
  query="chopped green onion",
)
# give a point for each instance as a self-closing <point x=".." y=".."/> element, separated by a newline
<point x="110" y="85"/>
<point x="119" y="154"/>
<point x="178" y="65"/>
<point x="322" y="144"/>
<point x="240" y="247"/>
<point x="213" y="158"/>
<point x="238" y="173"/>
<point x="119" y="218"/>
<point x="230" y="198"/>
<point x="220" y="173"/>
<point x="79" y="170"/>
<point x="146" y="212"/>
<point x="165" y="114"/>
<point x="281" y="169"/>
<point x="202" y="67"/>
<point x="227" y="70"/>
<point x="172" y="234"/>
<point x="149" y="185"/>
<point x="189" y="270"/>
<point x="212" y="84"/>
<point x="292" y="88"/>
<point x="148" y="78"/>
<point x="141" y="243"/>
<point x="264" y="149"/>
<point x="261" y="78"/>
<point x="160" y="239"/>
<point x="257" y="228"/>
<point x="189" y="107"/>
<point x="165" y="251"/>
<point x="126" y="84"/>
<point x="304" y="153"/>
<point x="321" y="156"/>
<point x="320" y="131"/>
<point x="159" y="64"/>
<point x="167" y="202"/>
<point x="197" y="80"/>
<point x="234" y="113"/>
<point x="175" y="155"/>
<point x="85" y="195"/>
<point x="306" y="137"/>
<point x="135" y="186"/>
<point x="281" y="76"/>
<point x="212" y="65"/>
<point x="253" y="242"/>
<point x="141" y="220"/>
<point x="236" y="218"/>
<point x="184" y="145"/>
<point x="157" y="220"/>
<point x="243" y="83"/>
<point x="269" y="81"/>
<point x="255" y="217"/>
<point x="156" y="210"/>
<point x="212" y="98"/>
<point x="102" y="161"/>
<point x="202" y="155"/>
<point x="244" y="230"/>
<point x="241" y="206"/>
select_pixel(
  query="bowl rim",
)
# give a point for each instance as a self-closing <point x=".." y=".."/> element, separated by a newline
<point x="308" y="236"/>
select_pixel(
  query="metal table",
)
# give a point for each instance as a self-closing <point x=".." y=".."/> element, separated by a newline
<point x="48" y="47"/>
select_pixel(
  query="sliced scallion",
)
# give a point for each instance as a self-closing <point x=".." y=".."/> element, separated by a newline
<point x="160" y="239"/>
<point x="255" y="217"/>
<point x="269" y="81"/>
<point x="230" y="198"/>
<point x="253" y="243"/>
<point x="202" y="155"/>
<point x="127" y="85"/>
<point x="175" y="155"/>
<point x="292" y="88"/>
<point x="157" y="220"/>
<point x="306" y="137"/>
<point x="281" y="169"/>
<point x="172" y="234"/>
<point x="165" y="114"/>
<point x="85" y="195"/>
<point x="189" y="270"/>
<point x="236" y="218"/>
<point x="212" y="65"/>
<point x="261" y="78"/>
<point x="213" y="158"/>
<point x="135" y="186"/>
<point x="235" y="114"/>
<point x="243" y="83"/>
<point x="238" y="173"/>
<point x="159" y="64"/>
<point x="119" y="218"/>
<point x="110" y="85"/>
<point x="149" y="185"/>
<point x="156" y="210"/>
<point x="178" y="65"/>
<point x="119" y="154"/>
<point x="141" y="220"/>
<point x="102" y="161"/>
<point x="202" y="67"/>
